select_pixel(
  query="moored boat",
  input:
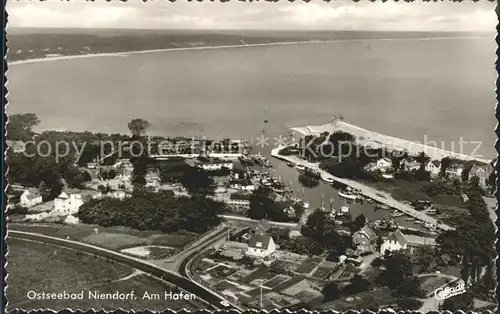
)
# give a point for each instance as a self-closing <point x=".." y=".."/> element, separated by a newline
<point x="290" y="164"/>
<point x="300" y="168"/>
<point x="396" y="213"/>
<point x="327" y="179"/>
<point x="347" y="194"/>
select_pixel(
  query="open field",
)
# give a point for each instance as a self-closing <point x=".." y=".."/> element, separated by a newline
<point x="108" y="237"/>
<point x="49" y="268"/>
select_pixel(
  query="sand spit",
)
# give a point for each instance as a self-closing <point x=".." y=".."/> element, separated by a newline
<point x="378" y="140"/>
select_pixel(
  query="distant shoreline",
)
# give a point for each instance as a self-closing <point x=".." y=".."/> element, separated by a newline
<point x="127" y="53"/>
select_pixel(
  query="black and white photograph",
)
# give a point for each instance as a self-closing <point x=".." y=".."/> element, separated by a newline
<point x="251" y="155"/>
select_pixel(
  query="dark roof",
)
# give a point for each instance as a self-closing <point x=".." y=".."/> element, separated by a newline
<point x="398" y="237"/>
<point x="240" y="196"/>
<point x="369" y="232"/>
<point x="436" y="163"/>
<point x="259" y="241"/>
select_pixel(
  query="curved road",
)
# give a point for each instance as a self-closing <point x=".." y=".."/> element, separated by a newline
<point x="211" y="298"/>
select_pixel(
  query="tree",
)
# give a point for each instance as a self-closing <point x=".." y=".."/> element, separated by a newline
<point x="197" y="181"/>
<point x="331" y="291"/>
<point x="409" y="304"/>
<point x="20" y="126"/>
<point x="398" y="275"/>
<point x="138" y="127"/>
<point x="463" y="302"/>
<point x="466" y="171"/>
<point x="359" y="222"/>
<point x="422" y="159"/>
<point x="445" y="164"/>
<point x="358" y="284"/>
<point x="263" y="206"/>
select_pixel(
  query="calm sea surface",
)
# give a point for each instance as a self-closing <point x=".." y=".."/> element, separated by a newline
<point x="440" y="88"/>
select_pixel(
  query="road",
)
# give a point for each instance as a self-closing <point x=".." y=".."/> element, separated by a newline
<point x="173" y="263"/>
<point x="367" y="191"/>
<point x="211" y="298"/>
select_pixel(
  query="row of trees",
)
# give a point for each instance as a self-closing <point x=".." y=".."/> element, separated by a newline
<point x="160" y="211"/>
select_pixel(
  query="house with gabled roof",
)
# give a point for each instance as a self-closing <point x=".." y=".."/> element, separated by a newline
<point x="260" y="246"/>
<point x="365" y="240"/>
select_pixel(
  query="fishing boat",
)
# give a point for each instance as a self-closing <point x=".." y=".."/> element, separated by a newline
<point x="344" y="209"/>
<point x="300" y="168"/>
<point x="396" y="213"/>
<point x="348" y="194"/>
<point x="327" y="179"/>
<point x="410" y="219"/>
<point x="290" y="164"/>
<point x="428" y="225"/>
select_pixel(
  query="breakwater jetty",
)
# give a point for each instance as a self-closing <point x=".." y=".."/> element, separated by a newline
<point x="366" y="191"/>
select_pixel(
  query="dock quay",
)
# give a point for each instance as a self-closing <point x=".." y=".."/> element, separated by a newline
<point x="367" y="191"/>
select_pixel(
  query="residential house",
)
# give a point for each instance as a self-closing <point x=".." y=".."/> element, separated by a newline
<point x="483" y="172"/>
<point x="410" y="165"/>
<point x="384" y="164"/>
<point x="414" y="242"/>
<point x="394" y="242"/>
<point x="68" y="202"/>
<point x="239" y="200"/>
<point x="454" y="170"/>
<point x="241" y="184"/>
<point x="261" y="228"/>
<point x="30" y="197"/>
<point x="433" y="167"/>
<point x="365" y="240"/>
<point x="16" y="146"/>
<point x="399" y="241"/>
<point x="260" y="246"/>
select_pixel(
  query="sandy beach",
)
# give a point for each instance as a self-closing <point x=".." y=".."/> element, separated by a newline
<point x="126" y="53"/>
<point x="376" y="140"/>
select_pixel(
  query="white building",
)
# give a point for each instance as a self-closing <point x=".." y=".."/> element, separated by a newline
<point x="433" y="167"/>
<point x="30" y="198"/>
<point x="395" y="242"/>
<point x="68" y="203"/>
<point x="384" y="164"/>
<point x="239" y="200"/>
<point x="16" y="146"/>
<point x="260" y="246"/>
<point x="399" y="241"/>
<point x="215" y="165"/>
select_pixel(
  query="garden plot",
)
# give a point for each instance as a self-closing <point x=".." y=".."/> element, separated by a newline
<point x="273" y="282"/>
<point x="323" y="272"/>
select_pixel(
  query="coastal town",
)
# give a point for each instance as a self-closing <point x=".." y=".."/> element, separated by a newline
<point x="240" y="229"/>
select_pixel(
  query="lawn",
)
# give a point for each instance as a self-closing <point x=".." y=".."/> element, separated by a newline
<point x="108" y="237"/>
<point x="431" y="283"/>
<point x="307" y="266"/>
<point x="322" y="273"/>
<point x="380" y="297"/>
<point x="48" y="268"/>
